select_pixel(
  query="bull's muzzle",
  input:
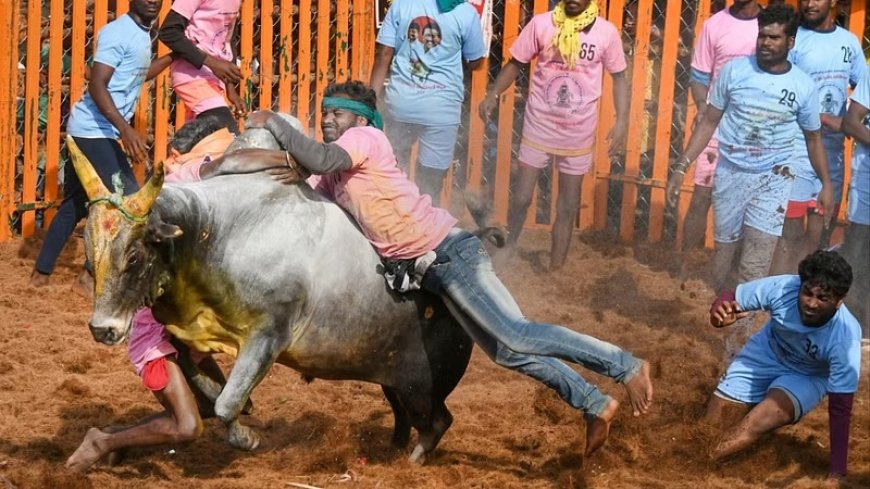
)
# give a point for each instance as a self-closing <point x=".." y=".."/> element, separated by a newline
<point x="106" y="334"/>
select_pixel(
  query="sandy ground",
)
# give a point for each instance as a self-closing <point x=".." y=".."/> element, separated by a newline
<point x="56" y="382"/>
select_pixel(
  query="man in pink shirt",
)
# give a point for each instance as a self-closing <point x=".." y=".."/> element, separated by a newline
<point x="359" y="170"/>
<point x="573" y="47"/>
<point x="728" y="34"/>
<point x="199" y="33"/>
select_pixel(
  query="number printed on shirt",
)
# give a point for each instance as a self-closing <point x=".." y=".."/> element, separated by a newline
<point x="847" y="54"/>
<point x="811" y="349"/>
<point x="587" y="51"/>
<point x="788" y="97"/>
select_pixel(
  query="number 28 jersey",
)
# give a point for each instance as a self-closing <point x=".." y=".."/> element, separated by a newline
<point x="832" y="350"/>
<point x="764" y="114"/>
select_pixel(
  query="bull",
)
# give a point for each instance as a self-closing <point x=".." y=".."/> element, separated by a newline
<point x="266" y="272"/>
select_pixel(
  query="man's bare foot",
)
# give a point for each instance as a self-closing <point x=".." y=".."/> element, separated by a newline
<point x="84" y="285"/>
<point x="640" y="390"/>
<point x="38" y="279"/>
<point x="88" y="453"/>
<point x="598" y="429"/>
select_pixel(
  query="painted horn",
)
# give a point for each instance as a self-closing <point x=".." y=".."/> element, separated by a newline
<point x="91" y="182"/>
<point x="140" y="203"/>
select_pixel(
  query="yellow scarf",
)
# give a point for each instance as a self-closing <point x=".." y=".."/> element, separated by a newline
<point x="567" y="39"/>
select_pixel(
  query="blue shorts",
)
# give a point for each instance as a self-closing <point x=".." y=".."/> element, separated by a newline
<point x="805" y="188"/>
<point x="742" y="198"/>
<point x="859" y="186"/>
<point x="435" y="148"/>
<point x="755" y="371"/>
<point x="836" y="170"/>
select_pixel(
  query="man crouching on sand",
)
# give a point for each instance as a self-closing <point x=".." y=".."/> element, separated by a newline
<point x="810" y="347"/>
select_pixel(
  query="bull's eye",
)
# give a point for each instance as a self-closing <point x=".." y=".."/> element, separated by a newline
<point x="133" y="259"/>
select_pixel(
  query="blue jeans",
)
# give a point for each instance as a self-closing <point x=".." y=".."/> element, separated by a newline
<point x="464" y="277"/>
<point x="107" y="158"/>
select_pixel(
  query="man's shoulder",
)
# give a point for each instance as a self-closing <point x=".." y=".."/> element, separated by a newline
<point x="604" y="26"/>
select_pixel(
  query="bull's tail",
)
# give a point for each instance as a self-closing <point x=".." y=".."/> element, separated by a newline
<point x="480" y="211"/>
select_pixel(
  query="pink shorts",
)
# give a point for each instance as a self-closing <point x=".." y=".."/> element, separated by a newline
<point x="201" y="95"/>
<point x="705" y="165"/>
<point x="570" y="165"/>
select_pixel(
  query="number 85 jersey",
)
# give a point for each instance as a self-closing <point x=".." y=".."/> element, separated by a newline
<point x="764" y="114"/>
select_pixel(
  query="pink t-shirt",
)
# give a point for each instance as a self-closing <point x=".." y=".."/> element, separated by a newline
<point x="148" y="340"/>
<point x="398" y="221"/>
<point x="723" y="38"/>
<point x="562" y="109"/>
<point x="210" y="29"/>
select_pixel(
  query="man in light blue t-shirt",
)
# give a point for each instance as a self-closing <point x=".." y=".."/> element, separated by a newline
<point x="422" y="44"/>
<point x="122" y="63"/>
<point x="761" y="104"/>
<point x="810" y="348"/>
<point x="856" y="124"/>
<point x="833" y="58"/>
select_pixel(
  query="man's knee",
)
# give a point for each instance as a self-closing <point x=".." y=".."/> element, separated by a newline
<point x="188" y="428"/>
<point x="793" y="229"/>
<point x="508" y="358"/>
<point x="782" y="409"/>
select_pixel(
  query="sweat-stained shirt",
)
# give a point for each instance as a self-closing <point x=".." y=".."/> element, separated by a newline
<point x="398" y="221"/>
<point x="562" y="109"/>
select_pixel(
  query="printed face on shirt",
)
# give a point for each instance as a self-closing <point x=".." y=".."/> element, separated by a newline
<point x="815" y="12"/>
<point x="816" y="305"/>
<point x="773" y="44"/>
<point x="147" y="10"/>
<point x="425" y="30"/>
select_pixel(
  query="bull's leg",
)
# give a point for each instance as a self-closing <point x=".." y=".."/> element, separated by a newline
<point x="430" y="418"/>
<point x="255" y="359"/>
<point x="402" y="429"/>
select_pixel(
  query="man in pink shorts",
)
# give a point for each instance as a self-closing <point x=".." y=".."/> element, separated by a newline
<point x="573" y="47"/>
<point x="204" y="73"/>
<point x="729" y="34"/>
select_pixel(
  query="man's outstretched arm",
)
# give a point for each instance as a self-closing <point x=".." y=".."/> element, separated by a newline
<point x="318" y="158"/>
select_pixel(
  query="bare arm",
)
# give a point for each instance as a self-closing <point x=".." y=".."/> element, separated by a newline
<point x="700" y="137"/>
<point x="382" y="66"/>
<point x="98" y="89"/>
<point x="852" y="123"/>
<point x="506" y="76"/>
<point x="158" y="65"/>
<point x="621" y="98"/>
<point x="474" y="63"/>
<point x="699" y="96"/>
<point x="819" y="162"/>
<point x="248" y="160"/>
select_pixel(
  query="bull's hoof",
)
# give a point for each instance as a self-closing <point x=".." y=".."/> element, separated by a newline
<point x="418" y="456"/>
<point x="242" y="437"/>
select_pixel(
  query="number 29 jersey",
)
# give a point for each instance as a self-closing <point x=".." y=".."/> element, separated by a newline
<point x="764" y="114"/>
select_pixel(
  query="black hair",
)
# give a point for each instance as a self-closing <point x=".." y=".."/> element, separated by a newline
<point x="355" y="90"/>
<point x="828" y="271"/>
<point x="779" y="13"/>
<point x="198" y="129"/>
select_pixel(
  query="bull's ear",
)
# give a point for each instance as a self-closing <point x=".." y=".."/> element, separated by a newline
<point x="161" y="232"/>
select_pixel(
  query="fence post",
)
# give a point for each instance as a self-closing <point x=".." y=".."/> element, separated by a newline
<point x="9" y="10"/>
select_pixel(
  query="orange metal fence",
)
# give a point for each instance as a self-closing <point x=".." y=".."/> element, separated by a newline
<point x="291" y="49"/>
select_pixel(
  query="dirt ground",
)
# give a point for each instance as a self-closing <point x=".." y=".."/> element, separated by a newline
<point x="56" y="382"/>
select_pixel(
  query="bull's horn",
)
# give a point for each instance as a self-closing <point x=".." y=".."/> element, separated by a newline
<point x="140" y="203"/>
<point x="91" y="182"/>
